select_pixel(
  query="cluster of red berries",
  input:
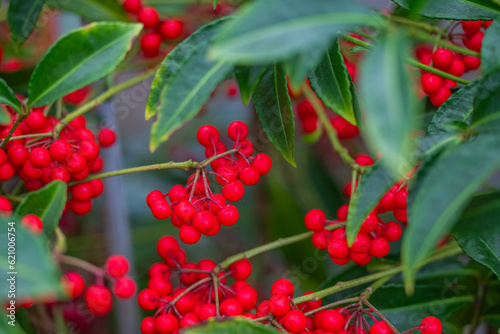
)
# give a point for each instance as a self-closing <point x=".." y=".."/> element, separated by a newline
<point x="374" y="236"/>
<point x="39" y="161"/>
<point x="456" y="64"/>
<point x="160" y="30"/>
<point x="428" y="325"/>
<point x="194" y="299"/>
<point x="194" y="208"/>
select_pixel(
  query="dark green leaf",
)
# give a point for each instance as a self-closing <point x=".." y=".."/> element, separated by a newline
<point x="184" y="84"/>
<point x="96" y="50"/>
<point x="7" y="96"/>
<point x="478" y="232"/>
<point x="47" y="203"/>
<point x="490" y="49"/>
<point x="301" y="64"/>
<point x="268" y="30"/>
<point x="234" y="325"/>
<point x="22" y="18"/>
<point x="274" y="109"/>
<point x="95" y="10"/>
<point x="486" y="117"/>
<point x="332" y="83"/>
<point x="10" y="329"/>
<point x="374" y="184"/>
<point x="388" y="97"/>
<point x="36" y="273"/>
<point x="443" y="188"/>
<point x="456" y="9"/>
<point x="248" y="78"/>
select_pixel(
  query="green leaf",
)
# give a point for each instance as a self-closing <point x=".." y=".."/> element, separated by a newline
<point x="234" y="325"/>
<point x="444" y="186"/>
<point x="10" y="329"/>
<point x="388" y="97"/>
<point x="79" y="58"/>
<point x="456" y="9"/>
<point x="274" y="109"/>
<point x="332" y="83"/>
<point x="36" y="273"/>
<point x="269" y="30"/>
<point x="95" y="10"/>
<point x="5" y="118"/>
<point x="22" y="18"/>
<point x="486" y="117"/>
<point x="47" y="203"/>
<point x="301" y="64"/>
<point x="458" y="108"/>
<point x="214" y="3"/>
<point x="372" y="186"/>
<point x="184" y="83"/>
<point x="7" y="96"/>
<point x="478" y="232"/>
<point x="490" y="49"/>
<point x="248" y="78"/>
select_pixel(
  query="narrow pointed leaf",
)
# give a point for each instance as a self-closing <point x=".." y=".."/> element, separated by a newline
<point x="388" y="98"/>
<point x="22" y="17"/>
<point x="184" y="83"/>
<point x="96" y="50"/>
<point x="332" y="83"/>
<point x="274" y="109"/>
<point x="47" y="203"/>
<point x="490" y="49"/>
<point x="478" y="233"/>
<point x="235" y="325"/>
<point x="443" y="188"/>
<point x="374" y="184"/>
<point x="248" y="77"/>
<point x="214" y="4"/>
<point x="270" y="30"/>
<point x="95" y="10"/>
<point x="7" y="96"/>
<point x="456" y="9"/>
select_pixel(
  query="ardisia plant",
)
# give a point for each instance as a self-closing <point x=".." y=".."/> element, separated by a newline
<point x="361" y="165"/>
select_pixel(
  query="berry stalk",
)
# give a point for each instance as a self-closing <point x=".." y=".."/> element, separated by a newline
<point x="450" y="46"/>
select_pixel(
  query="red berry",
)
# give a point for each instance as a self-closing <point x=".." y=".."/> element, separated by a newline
<point x="75" y="163"/>
<point x="486" y="24"/>
<point x="379" y="248"/>
<point x="361" y="244"/>
<point x="457" y="68"/>
<point x="225" y="175"/>
<point x="148" y="325"/>
<point x="32" y="172"/>
<point x="189" y="235"/>
<point x="98" y="187"/>
<point x="39" y="157"/>
<point x="5" y="207"/>
<point x="203" y="221"/>
<point x="207" y="135"/>
<point x="167" y="246"/>
<point x="380" y="327"/>
<point x="437" y="99"/>
<point x="431" y="325"/>
<point x="442" y="58"/>
<point x="393" y="232"/>
<point x="73" y="284"/>
<point x="249" y="176"/>
<point x="315" y="220"/>
<point x="401" y="215"/>
<point x="471" y="63"/>
<point x="150" y="43"/>
<point x="474" y="42"/>
<point x="60" y="174"/>
<point x="245" y="147"/>
<point x="17" y="155"/>
<point x="132" y="6"/>
<point x="3" y="157"/>
<point x="241" y="269"/>
<point x="89" y="149"/>
<point x="148" y="16"/>
<point x="185" y="211"/>
<point x="178" y="193"/>
<point x="82" y="191"/>
<point x="106" y="137"/>
<point x="117" y="265"/>
<point x="153" y="196"/>
<point x="36" y="120"/>
<point x="370" y="224"/>
<point x="233" y="191"/>
<point x="237" y="130"/>
<point x="471" y="27"/>
<point x="166" y="324"/>
<point x="295" y="322"/>
<point x="207" y="311"/>
<point x="345" y="130"/>
<point x="338" y="248"/>
<point x="263" y="163"/>
<point x="228" y="215"/>
<point x="33" y="223"/>
<point x="320" y="239"/>
<point x="332" y="321"/>
<point x="231" y="307"/>
<point x="430" y="83"/>
<point x="282" y="286"/>
<point x="161" y="209"/>
<point x="279" y="305"/>
<point x="364" y="160"/>
<point x="247" y="296"/>
<point x="98" y="299"/>
<point x="7" y="171"/>
<point x="171" y="29"/>
<point x="148" y="299"/>
<point x="124" y="287"/>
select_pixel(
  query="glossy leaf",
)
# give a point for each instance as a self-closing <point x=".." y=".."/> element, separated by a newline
<point x="22" y="17"/>
<point x="7" y="96"/>
<point x="490" y="49"/>
<point x="388" y="98"/>
<point x="36" y="273"/>
<point x="332" y="83"/>
<point x="458" y="108"/>
<point x="214" y="4"/>
<point x="47" y="203"/>
<point x="456" y="9"/>
<point x="486" y="117"/>
<point x="234" y="325"/>
<point x="96" y="50"/>
<point x="9" y="329"/>
<point x="248" y="77"/>
<point x="444" y="186"/>
<point x="373" y="185"/>
<point x="478" y="232"/>
<point x="184" y="83"/>
<point x="274" y="110"/>
<point x="270" y="30"/>
<point x="96" y="10"/>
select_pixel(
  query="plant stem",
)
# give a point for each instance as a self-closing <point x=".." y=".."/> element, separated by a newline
<point x="330" y="131"/>
<point x="14" y="198"/>
<point x="75" y="262"/>
<point x="419" y="25"/>
<point x="367" y="303"/>
<point x="215" y="279"/>
<point x="410" y="61"/>
<point x="47" y="134"/>
<point x="431" y="39"/>
<point x="496" y="2"/>
<point x="100" y="99"/>
<point x="18" y="121"/>
<point x="270" y="246"/>
<point x="332" y="305"/>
